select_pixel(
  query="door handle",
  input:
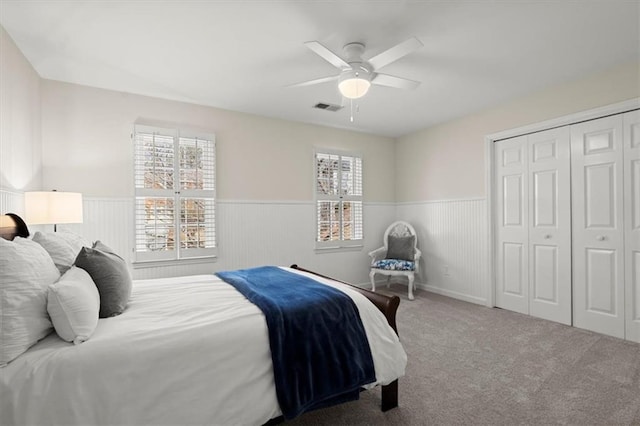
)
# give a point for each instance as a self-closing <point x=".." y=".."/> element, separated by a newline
<point x="601" y="238"/>
<point x="547" y="237"/>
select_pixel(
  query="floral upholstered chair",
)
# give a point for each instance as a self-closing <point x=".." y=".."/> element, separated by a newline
<point x="399" y="255"/>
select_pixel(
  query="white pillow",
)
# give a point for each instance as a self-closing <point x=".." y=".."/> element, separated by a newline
<point x="63" y="247"/>
<point x="26" y="271"/>
<point x="73" y="305"/>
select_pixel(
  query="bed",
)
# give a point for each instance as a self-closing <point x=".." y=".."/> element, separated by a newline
<point x="186" y="350"/>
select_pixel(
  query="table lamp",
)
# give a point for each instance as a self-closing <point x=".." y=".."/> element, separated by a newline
<point x="53" y="207"/>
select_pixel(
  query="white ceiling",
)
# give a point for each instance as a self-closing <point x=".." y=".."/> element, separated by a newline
<point x="240" y="55"/>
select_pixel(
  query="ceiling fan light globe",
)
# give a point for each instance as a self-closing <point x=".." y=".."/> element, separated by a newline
<point x="354" y="87"/>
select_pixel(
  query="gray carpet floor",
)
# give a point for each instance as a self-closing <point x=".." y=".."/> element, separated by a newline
<point x="472" y="365"/>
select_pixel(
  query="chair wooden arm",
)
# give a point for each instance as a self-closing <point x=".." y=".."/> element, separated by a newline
<point x="418" y="255"/>
<point x="377" y="254"/>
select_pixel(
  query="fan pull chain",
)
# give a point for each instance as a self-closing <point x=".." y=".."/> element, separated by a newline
<point x="351" y="104"/>
<point x="357" y="109"/>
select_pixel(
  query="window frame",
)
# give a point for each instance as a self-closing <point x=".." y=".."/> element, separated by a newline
<point x="178" y="254"/>
<point x="338" y="244"/>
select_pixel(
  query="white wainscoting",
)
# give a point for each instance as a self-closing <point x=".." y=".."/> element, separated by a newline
<point x="11" y="202"/>
<point x="249" y="234"/>
<point x="109" y="220"/>
<point x="452" y="235"/>
<point x="282" y="233"/>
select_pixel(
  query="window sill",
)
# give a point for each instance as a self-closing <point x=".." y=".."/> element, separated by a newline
<point x="337" y="249"/>
<point x="141" y="264"/>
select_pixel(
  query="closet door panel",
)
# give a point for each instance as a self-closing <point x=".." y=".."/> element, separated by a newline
<point x="601" y="275"/>
<point x="545" y="274"/>
<point x="545" y="199"/>
<point x="599" y="196"/>
<point x="631" y="123"/>
<point x="514" y="270"/>
<point x="550" y="225"/>
<point x="597" y="224"/>
<point x="512" y="225"/>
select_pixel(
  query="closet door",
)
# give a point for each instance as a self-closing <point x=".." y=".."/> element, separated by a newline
<point x="512" y="225"/>
<point x="598" y="244"/>
<point x="631" y="121"/>
<point x="550" y="225"/>
<point x="534" y="225"/>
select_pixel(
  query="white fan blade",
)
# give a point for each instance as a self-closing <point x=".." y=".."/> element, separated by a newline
<point x="393" y="81"/>
<point x="327" y="55"/>
<point x="316" y="81"/>
<point x="395" y="53"/>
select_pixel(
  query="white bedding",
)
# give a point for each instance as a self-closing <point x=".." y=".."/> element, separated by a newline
<point x="188" y="350"/>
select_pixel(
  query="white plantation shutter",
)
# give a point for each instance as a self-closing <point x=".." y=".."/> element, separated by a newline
<point x="174" y="194"/>
<point x="338" y="199"/>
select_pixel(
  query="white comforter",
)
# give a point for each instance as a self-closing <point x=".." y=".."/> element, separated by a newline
<point x="188" y="350"/>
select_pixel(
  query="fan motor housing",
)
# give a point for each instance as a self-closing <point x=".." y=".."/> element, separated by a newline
<point x="353" y="51"/>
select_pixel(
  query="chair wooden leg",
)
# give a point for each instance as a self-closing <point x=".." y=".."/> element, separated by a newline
<point x="373" y="280"/>
<point x="411" y="279"/>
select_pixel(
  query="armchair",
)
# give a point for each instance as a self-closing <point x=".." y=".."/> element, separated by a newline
<point x="399" y="256"/>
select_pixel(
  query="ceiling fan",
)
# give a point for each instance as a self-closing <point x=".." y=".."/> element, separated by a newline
<point x="357" y="74"/>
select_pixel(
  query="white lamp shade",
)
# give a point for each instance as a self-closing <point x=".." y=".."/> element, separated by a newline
<point x="354" y="85"/>
<point x="53" y="207"/>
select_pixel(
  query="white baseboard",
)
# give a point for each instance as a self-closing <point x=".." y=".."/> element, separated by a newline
<point x="452" y="294"/>
<point x="429" y="288"/>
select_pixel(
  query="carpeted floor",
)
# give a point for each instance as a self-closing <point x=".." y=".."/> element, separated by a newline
<point x="472" y="365"/>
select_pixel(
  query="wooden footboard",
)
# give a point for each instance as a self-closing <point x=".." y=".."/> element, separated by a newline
<point x="388" y="305"/>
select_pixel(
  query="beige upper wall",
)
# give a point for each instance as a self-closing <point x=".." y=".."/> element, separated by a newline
<point x="20" y="141"/>
<point x="447" y="161"/>
<point x="87" y="146"/>
<point x="84" y="136"/>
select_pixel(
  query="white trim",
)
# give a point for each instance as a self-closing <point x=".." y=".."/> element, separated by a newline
<point x="13" y="191"/>
<point x="452" y="294"/>
<point x="341" y="152"/>
<point x="338" y="198"/>
<point x="232" y="201"/>
<point x="449" y="200"/>
<point x="271" y="202"/>
<point x="490" y="290"/>
<point x="123" y="199"/>
<point x="335" y="249"/>
<point x="178" y="136"/>
<point x="574" y="118"/>
<point x="591" y="114"/>
<point x="141" y="264"/>
<point x="430" y="289"/>
<point x="299" y="202"/>
<point x="379" y="203"/>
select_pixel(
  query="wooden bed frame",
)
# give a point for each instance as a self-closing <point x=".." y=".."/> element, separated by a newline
<point x="11" y="226"/>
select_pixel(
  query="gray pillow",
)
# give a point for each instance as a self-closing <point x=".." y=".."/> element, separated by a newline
<point x="99" y="245"/>
<point x="401" y="248"/>
<point x="111" y="275"/>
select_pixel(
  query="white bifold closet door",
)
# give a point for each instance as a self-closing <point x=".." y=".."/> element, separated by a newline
<point x="597" y="154"/>
<point x="534" y="225"/>
<point x="631" y="136"/>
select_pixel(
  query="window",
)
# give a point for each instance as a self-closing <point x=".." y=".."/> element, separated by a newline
<point x="174" y="194"/>
<point x="338" y="191"/>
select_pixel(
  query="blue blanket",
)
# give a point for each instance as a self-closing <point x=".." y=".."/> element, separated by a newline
<point x="319" y="348"/>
